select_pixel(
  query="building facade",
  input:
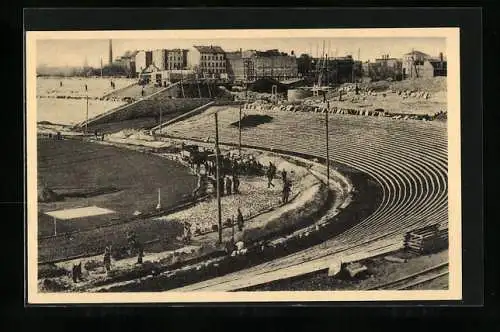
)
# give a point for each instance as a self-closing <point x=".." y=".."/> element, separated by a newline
<point x="165" y="59"/>
<point x="418" y="64"/>
<point x="207" y="61"/>
<point x="251" y="65"/>
<point x="413" y="64"/>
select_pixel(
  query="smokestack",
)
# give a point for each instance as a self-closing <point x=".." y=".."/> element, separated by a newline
<point x="441" y="56"/>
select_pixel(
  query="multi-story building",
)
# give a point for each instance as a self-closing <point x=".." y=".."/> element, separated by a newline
<point x="155" y="65"/>
<point x="175" y="59"/>
<point x="251" y="65"/>
<point x="207" y="61"/>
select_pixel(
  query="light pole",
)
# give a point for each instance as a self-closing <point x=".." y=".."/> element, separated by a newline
<point x="87" y="115"/>
<point x="327" y="143"/>
<point x="217" y="177"/>
<point x="160" y="122"/>
<point x="239" y="138"/>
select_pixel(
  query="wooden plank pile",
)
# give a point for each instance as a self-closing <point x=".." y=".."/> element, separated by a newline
<point x="427" y="239"/>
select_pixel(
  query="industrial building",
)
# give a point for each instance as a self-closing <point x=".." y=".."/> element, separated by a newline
<point x="127" y="62"/>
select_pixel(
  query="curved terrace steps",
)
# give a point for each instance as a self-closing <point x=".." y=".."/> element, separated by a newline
<point x="408" y="159"/>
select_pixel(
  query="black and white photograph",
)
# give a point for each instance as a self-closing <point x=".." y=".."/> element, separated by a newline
<point x="243" y="165"/>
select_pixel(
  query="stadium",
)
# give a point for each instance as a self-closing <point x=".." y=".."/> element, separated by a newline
<point x="126" y="169"/>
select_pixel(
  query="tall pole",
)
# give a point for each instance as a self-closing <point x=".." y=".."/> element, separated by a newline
<point x="87" y="115"/>
<point x="327" y="147"/>
<point x="158" y="206"/>
<point x="217" y="177"/>
<point x="239" y="138"/>
<point x="160" y="121"/>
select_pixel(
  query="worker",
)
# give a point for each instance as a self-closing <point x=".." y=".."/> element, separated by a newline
<point x="140" y="253"/>
<point x="229" y="186"/>
<point x="286" y="191"/>
<point x="107" y="258"/>
<point x="221" y="185"/>
<point x="77" y="272"/>
<point x="271" y="172"/>
<point x="236" y="184"/>
<point x="239" y="220"/>
<point x="283" y="175"/>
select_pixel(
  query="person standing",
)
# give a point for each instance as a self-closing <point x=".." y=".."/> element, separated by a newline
<point x="236" y="184"/>
<point x="107" y="258"/>
<point x="283" y="175"/>
<point x="270" y="175"/>
<point x="239" y="220"/>
<point x="221" y="185"/>
<point x="286" y="191"/>
<point x="140" y="253"/>
<point x="229" y="186"/>
<point x="77" y="272"/>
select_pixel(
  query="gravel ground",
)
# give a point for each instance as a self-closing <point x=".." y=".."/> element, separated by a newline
<point x="382" y="271"/>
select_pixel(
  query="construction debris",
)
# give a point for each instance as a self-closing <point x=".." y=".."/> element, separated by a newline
<point x="394" y="259"/>
<point x="427" y="239"/>
<point x="355" y="269"/>
<point x="334" y="268"/>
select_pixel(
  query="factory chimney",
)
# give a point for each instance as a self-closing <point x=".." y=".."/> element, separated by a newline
<point x="441" y="56"/>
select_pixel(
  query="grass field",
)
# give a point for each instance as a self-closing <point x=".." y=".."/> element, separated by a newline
<point x="71" y="164"/>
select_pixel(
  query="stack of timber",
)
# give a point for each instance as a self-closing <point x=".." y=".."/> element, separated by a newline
<point x="427" y="239"/>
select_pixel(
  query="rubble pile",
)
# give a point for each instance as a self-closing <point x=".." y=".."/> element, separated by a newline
<point x="321" y="107"/>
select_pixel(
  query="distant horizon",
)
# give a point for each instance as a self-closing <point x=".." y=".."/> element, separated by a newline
<point x="74" y="53"/>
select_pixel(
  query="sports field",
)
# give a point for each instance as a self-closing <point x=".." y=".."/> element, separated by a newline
<point x="89" y="174"/>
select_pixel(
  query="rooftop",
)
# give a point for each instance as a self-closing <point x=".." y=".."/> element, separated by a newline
<point x="209" y="49"/>
<point x="418" y="53"/>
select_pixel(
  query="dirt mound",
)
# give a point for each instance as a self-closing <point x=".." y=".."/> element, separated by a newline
<point x="434" y="84"/>
<point x="253" y="120"/>
<point x="45" y="194"/>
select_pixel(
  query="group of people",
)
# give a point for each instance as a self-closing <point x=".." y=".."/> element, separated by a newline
<point x="287" y="183"/>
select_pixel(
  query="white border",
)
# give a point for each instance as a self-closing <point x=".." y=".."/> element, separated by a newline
<point x="454" y="173"/>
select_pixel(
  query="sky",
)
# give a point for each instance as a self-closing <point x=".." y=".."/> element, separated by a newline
<point x="67" y="52"/>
